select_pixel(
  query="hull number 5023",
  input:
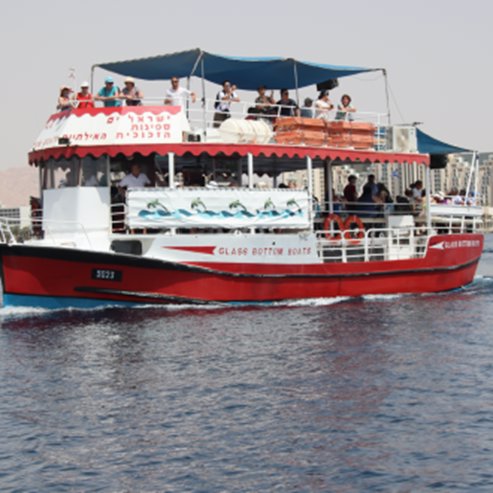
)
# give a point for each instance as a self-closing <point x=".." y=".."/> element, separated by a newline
<point x="106" y="275"/>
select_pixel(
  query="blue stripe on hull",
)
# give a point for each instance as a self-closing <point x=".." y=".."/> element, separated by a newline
<point x="53" y="303"/>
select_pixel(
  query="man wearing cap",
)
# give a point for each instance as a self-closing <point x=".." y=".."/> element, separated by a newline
<point x="85" y="97"/>
<point x="131" y="94"/>
<point x="109" y="94"/>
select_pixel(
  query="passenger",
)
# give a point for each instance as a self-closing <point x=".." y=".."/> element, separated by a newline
<point x="288" y="107"/>
<point x="366" y="206"/>
<point x="109" y="94"/>
<point x="65" y="101"/>
<point x="345" y="110"/>
<point x="135" y="178"/>
<point x="131" y="94"/>
<point x="224" y="98"/>
<point x="177" y="96"/>
<point x="263" y="102"/>
<point x="323" y="106"/>
<point x="307" y="110"/>
<point x="84" y="97"/>
<point x="350" y="194"/>
<point x="417" y="189"/>
<point x="371" y="182"/>
<point x="384" y="198"/>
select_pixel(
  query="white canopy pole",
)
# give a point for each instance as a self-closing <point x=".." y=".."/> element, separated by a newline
<point x="250" y="170"/>
<point x="171" y="170"/>
<point x="428" y="198"/>
<point x="309" y="169"/>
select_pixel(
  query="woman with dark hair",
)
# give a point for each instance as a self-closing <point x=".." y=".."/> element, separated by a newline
<point x="345" y="109"/>
<point x="323" y="106"/>
<point x="64" y="102"/>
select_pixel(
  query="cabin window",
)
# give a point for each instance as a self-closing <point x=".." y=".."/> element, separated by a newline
<point x="94" y="172"/>
<point x="60" y="174"/>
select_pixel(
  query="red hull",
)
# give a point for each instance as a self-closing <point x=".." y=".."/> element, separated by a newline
<point x="451" y="262"/>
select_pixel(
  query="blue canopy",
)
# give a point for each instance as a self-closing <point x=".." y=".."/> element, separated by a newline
<point x="430" y="145"/>
<point x="246" y="72"/>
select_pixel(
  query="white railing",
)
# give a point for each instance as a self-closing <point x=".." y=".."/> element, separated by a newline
<point x="6" y="234"/>
<point x="374" y="244"/>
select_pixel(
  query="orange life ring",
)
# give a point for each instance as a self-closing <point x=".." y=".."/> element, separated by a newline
<point x="327" y="227"/>
<point x="354" y="236"/>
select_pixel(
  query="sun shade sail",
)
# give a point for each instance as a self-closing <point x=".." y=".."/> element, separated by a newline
<point x="246" y="72"/>
<point x="430" y="145"/>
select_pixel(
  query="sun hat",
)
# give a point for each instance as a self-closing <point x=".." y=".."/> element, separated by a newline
<point x="85" y="84"/>
<point x="109" y="80"/>
<point x="129" y="80"/>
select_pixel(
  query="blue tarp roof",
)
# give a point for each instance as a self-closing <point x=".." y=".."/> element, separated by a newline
<point x="246" y="72"/>
<point x="430" y="145"/>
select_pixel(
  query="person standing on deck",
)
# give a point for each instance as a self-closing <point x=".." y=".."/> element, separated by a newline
<point x="109" y="94"/>
<point x="177" y="96"/>
<point x="223" y="102"/>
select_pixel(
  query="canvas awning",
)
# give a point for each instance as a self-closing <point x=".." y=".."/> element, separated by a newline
<point x="429" y="145"/>
<point x="247" y="72"/>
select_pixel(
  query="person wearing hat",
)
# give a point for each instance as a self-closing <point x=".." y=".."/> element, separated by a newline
<point x="84" y="97"/>
<point x="131" y="94"/>
<point x="65" y="102"/>
<point x="109" y="94"/>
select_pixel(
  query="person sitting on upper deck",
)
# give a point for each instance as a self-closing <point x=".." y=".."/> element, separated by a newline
<point x="263" y="102"/>
<point x="109" y="94"/>
<point x="307" y="110"/>
<point x="288" y="107"/>
<point x="323" y="106"/>
<point x="177" y="96"/>
<point x="224" y="98"/>
<point x="135" y="179"/>
<point x="345" y="110"/>
<point x="65" y="102"/>
<point x="350" y="193"/>
<point x="131" y="94"/>
<point x="384" y="198"/>
<point x="84" y="97"/>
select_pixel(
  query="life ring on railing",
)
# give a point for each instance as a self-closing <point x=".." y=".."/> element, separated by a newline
<point x="331" y="234"/>
<point x="354" y="235"/>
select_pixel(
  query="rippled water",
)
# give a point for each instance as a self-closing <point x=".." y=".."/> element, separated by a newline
<point x="391" y="394"/>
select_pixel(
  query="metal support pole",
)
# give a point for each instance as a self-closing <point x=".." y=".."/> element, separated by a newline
<point x="295" y="68"/>
<point x="250" y="170"/>
<point x="204" y="102"/>
<point x="309" y="171"/>
<point x="428" y="198"/>
<point x="171" y="170"/>
<point x="328" y="185"/>
<point x="387" y="96"/>
<point x="92" y="78"/>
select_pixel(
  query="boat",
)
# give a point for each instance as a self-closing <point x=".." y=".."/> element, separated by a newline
<point x="207" y="230"/>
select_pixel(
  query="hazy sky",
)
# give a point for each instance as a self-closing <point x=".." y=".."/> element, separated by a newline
<point x="437" y="53"/>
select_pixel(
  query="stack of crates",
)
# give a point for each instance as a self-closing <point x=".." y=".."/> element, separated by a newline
<point x="318" y="132"/>
<point x="297" y="130"/>
<point x="357" y="135"/>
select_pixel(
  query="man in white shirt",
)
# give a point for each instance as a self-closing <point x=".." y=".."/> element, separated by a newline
<point x="177" y="96"/>
<point x="135" y="178"/>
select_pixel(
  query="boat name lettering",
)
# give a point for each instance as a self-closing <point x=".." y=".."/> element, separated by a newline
<point x="462" y="244"/>
<point x="106" y="274"/>
<point x="261" y="251"/>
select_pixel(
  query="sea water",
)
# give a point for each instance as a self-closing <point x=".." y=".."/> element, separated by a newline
<point x="380" y="393"/>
